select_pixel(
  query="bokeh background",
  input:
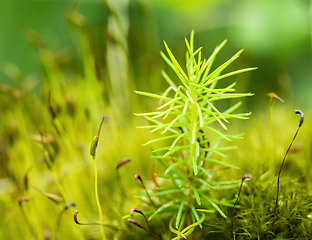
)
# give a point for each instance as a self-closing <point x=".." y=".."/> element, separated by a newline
<point x="276" y="36"/>
<point x="90" y="55"/>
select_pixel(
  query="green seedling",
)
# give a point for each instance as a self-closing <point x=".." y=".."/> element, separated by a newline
<point x="185" y="117"/>
<point x="280" y="170"/>
<point x="246" y="176"/>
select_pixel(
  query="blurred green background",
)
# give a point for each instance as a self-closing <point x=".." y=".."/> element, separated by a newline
<point x="275" y="35"/>
<point x="90" y="55"/>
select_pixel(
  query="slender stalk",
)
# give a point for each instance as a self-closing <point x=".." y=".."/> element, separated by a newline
<point x="246" y="176"/>
<point x="75" y="218"/>
<point x="29" y="225"/>
<point x="272" y="100"/>
<point x="93" y="147"/>
<point x="192" y="137"/>
<point x="240" y="188"/>
<point x="273" y="97"/>
<point x="279" y="173"/>
<point x="59" y="217"/>
<point x="97" y="198"/>
<point x="278" y="178"/>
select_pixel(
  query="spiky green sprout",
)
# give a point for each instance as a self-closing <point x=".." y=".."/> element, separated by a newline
<point x="187" y="115"/>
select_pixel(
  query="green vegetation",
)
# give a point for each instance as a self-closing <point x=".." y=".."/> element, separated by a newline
<point x="194" y="143"/>
<point x="183" y="177"/>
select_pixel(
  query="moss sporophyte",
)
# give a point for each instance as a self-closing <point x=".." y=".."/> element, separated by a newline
<point x="93" y="147"/>
<point x="185" y="117"/>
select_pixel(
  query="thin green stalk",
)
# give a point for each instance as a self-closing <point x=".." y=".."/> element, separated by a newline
<point x="97" y="198"/>
<point x="93" y="147"/>
<point x="272" y="101"/>
<point x="193" y="131"/>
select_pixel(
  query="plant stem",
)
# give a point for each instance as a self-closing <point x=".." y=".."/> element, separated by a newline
<point x="240" y="188"/>
<point x="192" y="137"/>
<point x="97" y="198"/>
<point x="29" y="225"/>
<point x="272" y="101"/>
<point x="278" y="178"/>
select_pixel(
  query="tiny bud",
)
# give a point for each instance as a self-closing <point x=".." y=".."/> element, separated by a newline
<point x="130" y="220"/>
<point x="137" y="176"/>
<point x="75" y="217"/>
<point x="273" y="95"/>
<point x="71" y="204"/>
<point x="23" y="199"/>
<point x="248" y="176"/>
<point x="123" y="162"/>
<point x="301" y="116"/>
<point x="93" y="146"/>
<point x="95" y="141"/>
<point x="135" y="210"/>
<point x="140" y="212"/>
<point x="47" y="234"/>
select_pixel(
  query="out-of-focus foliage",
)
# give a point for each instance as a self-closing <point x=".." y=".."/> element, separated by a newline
<point x="89" y="56"/>
<point x="275" y="35"/>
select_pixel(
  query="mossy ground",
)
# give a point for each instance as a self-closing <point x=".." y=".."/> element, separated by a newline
<point x="79" y="102"/>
